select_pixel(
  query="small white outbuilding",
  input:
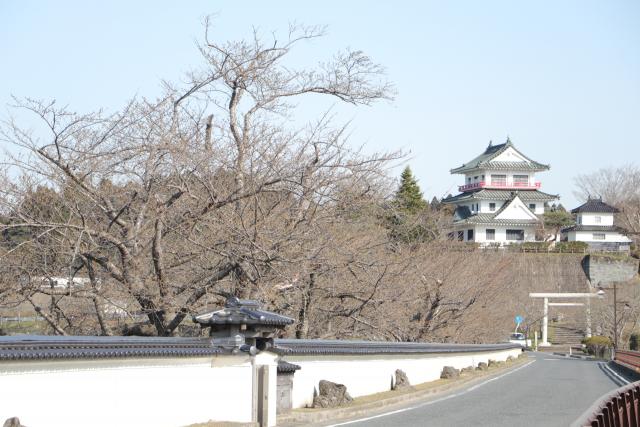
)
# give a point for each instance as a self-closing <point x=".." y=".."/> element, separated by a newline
<point x="595" y="226"/>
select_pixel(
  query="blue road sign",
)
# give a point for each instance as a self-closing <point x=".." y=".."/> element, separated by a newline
<point x="519" y="319"/>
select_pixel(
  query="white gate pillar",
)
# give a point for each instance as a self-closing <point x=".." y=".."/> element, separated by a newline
<point x="545" y="324"/>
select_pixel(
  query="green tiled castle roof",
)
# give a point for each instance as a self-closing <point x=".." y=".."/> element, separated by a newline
<point x="487" y="194"/>
<point x="493" y="151"/>
<point x="463" y="216"/>
<point x="490" y="219"/>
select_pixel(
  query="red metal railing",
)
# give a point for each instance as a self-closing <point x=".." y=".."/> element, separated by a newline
<point x="619" y="408"/>
<point x="622" y="406"/>
<point x="628" y="359"/>
<point x="501" y="185"/>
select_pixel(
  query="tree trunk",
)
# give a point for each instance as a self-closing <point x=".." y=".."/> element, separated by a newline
<point x="302" y="328"/>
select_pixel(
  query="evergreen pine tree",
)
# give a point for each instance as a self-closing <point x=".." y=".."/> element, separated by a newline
<point x="409" y="197"/>
<point x="435" y="204"/>
<point x="557" y="219"/>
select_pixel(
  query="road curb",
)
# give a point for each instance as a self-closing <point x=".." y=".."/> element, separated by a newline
<point x="574" y="356"/>
<point x="307" y="417"/>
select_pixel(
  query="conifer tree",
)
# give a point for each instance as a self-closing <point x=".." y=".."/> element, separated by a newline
<point x="435" y="204"/>
<point x="408" y="222"/>
<point x="409" y="197"/>
<point x="556" y="219"/>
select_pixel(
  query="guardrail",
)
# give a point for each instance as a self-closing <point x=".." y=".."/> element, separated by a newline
<point x="628" y="359"/>
<point x="619" y="408"/>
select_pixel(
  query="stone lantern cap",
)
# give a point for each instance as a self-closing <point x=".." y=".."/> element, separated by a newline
<point x="242" y="312"/>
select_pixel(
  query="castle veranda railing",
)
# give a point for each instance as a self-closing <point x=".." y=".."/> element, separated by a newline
<point x="500" y="185"/>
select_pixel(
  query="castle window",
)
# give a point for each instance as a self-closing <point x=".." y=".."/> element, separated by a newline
<point x="599" y="236"/>
<point x="461" y="235"/>
<point x="520" y="180"/>
<point x="597" y="219"/>
<point x="517" y="235"/>
<point x="500" y="180"/>
<point x="491" y="234"/>
<point x="492" y="207"/>
<point x="532" y="206"/>
<point x="469" y="234"/>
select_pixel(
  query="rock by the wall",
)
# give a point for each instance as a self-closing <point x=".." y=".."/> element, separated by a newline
<point x="331" y="395"/>
<point x="12" y="422"/>
<point x="482" y="366"/>
<point x="402" y="381"/>
<point x="495" y="363"/>
<point x="449" y="372"/>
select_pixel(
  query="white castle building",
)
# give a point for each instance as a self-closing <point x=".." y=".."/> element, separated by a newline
<point x="500" y="201"/>
<point x="595" y="226"/>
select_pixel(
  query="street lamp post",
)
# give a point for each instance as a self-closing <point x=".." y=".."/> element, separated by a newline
<point x="615" y="311"/>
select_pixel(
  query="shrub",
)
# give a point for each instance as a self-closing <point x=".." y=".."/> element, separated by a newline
<point x="535" y="246"/>
<point x="492" y="245"/>
<point x="597" y="345"/>
<point x="579" y="247"/>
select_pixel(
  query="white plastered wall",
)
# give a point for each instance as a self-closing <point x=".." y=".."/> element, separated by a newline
<point x="590" y="218"/>
<point x="127" y="392"/>
<point x="516" y="209"/>
<point x="587" y="236"/>
<point x="266" y="358"/>
<point x="373" y="374"/>
<point x="485" y="206"/>
<point x="480" y="234"/>
<point x="509" y="155"/>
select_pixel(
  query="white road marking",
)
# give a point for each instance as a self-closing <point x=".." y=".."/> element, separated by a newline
<point x="431" y="402"/>
<point x="620" y="377"/>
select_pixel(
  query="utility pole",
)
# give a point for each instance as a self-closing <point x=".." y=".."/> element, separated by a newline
<point x="615" y="311"/>
<point x="545" y="322"/>
<point x="615" y="315"/>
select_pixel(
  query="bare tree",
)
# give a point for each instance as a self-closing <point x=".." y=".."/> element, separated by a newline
<point x="619" y="187"/>
<point x="208" y="186"/>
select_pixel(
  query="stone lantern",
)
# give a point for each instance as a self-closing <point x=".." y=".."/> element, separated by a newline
<point x="242" y="325"/>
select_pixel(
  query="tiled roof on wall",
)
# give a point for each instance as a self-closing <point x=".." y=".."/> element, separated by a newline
<point x="38" y="347"/>
<point x="309" y="347"/>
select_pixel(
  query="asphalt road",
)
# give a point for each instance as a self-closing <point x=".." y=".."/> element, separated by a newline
<point x="547" y="391"/>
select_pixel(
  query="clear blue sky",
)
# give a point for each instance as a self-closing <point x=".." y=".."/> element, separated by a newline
<point x="562" y="78"/>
